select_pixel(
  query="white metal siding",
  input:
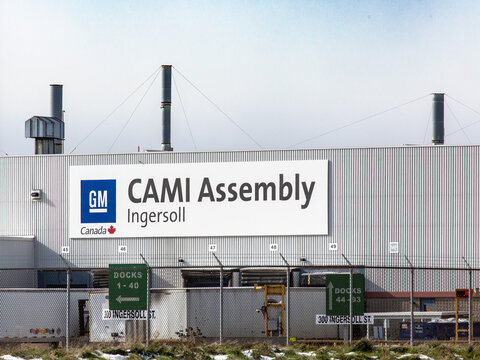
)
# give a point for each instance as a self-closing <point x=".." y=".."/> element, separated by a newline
<point x="425" y="197"/>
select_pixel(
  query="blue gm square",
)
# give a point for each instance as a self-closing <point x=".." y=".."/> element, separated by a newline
<point x="98" y="201"/>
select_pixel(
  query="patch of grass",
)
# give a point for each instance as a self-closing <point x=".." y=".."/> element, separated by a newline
<point x="363" y="345"/>
<point x="115" y="351"/>
<point x="164" y="357"/>
<point x="61" y="354"/>
<point x="209" y="349"/>
<point x="262" y="349"/>
<point x="305" y="347"/>
<point x="188" y="353"/>
<point x="160" y="350"/>
<point x="134" y="357"/>
<point x="87" y="354"/>
<point x="233" y="352"/>
<point x="28" y="351"/>
<point x="137" y="349"/>
<point x="323" y="356"/>
<point x="364" y="350"/>
<point x="400" y="349"/>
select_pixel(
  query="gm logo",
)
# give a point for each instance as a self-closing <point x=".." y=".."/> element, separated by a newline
<point x="98" y="201"/>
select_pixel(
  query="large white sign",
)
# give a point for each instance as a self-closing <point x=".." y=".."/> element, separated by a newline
<point x="201" y="199"/>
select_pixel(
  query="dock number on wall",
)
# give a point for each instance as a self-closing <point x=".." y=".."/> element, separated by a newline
<point x="212" y="247"/>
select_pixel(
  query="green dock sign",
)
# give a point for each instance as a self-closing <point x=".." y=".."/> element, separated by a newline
<point x="127" y="287"/>
<point x="338" y="294"/>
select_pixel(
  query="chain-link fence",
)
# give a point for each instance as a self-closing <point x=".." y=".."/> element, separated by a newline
<point x="217" y="303"/>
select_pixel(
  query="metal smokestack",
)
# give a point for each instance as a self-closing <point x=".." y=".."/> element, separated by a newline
<point x="438" y="119"/>
<point x="166" y="106"/>
<point x="56" y="99"/>
<point x="48" y="131"/>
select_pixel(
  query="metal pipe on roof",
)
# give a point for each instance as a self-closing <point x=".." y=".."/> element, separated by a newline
<point x="166" y="106"/>
<point x="56" y="91"/>
<point x="438" y="118"/>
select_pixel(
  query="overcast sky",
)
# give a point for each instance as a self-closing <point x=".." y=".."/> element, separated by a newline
<point x="285" y="71"/>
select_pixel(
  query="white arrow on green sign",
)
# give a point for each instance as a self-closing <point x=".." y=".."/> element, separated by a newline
<point x="124" y="299"/>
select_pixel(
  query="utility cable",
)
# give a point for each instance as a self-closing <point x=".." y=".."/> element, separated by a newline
<point x="134" y="110"/>
<point x="116" y="108"/>
<point x="184" y="113"/>
<point x="458" y="122"/>
<point x="468" y="107"/>
<point x="218" y="108"/>
<point x="428" y="123"/>
<point x="357" y="121"/>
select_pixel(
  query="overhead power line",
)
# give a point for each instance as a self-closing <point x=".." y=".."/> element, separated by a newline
<point x="357" y="121"/>
<point x="155" y="73"/>
<point x="219" y="109"/>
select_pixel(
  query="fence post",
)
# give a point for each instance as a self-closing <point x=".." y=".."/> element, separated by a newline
<point x="221" y="298"/>
<point x="350" y="312"/>
<point x="67" y="314"/>
<point x="147" y="330"/>
<point x="411" y="302"/>
<point x="287" y="330"/>
<point x="470" y="329"/>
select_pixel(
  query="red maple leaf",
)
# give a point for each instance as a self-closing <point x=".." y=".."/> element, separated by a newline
<point x="111" y="229"/>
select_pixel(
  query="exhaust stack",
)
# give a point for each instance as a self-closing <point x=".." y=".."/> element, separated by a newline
<point x="438" y="119"/>
<point x="56" y="91"/>
<point x="48" y="131"/>
<point x="166" y="106"/>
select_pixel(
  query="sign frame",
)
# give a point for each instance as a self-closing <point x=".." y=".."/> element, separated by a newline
<point x="244" y="198"/>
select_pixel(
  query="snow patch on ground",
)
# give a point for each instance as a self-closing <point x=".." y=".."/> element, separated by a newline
<point x="310" y="353"/>
<point x="110" y="356"/>
<point x="421" y="356"/>
<point x="219" y="357"/>
<point x="10" y="357"/>
<point x="248" y="355"/>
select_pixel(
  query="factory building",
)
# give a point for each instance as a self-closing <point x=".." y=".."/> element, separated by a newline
<point x="317" y="208"/>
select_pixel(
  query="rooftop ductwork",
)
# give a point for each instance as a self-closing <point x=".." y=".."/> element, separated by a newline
<point x="48" y="131"/>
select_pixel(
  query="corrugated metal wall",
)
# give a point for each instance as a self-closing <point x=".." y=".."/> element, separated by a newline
<point x="426" y="198"/>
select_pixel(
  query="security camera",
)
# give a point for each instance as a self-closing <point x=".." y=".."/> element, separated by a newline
<point x="36" y="194"/>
